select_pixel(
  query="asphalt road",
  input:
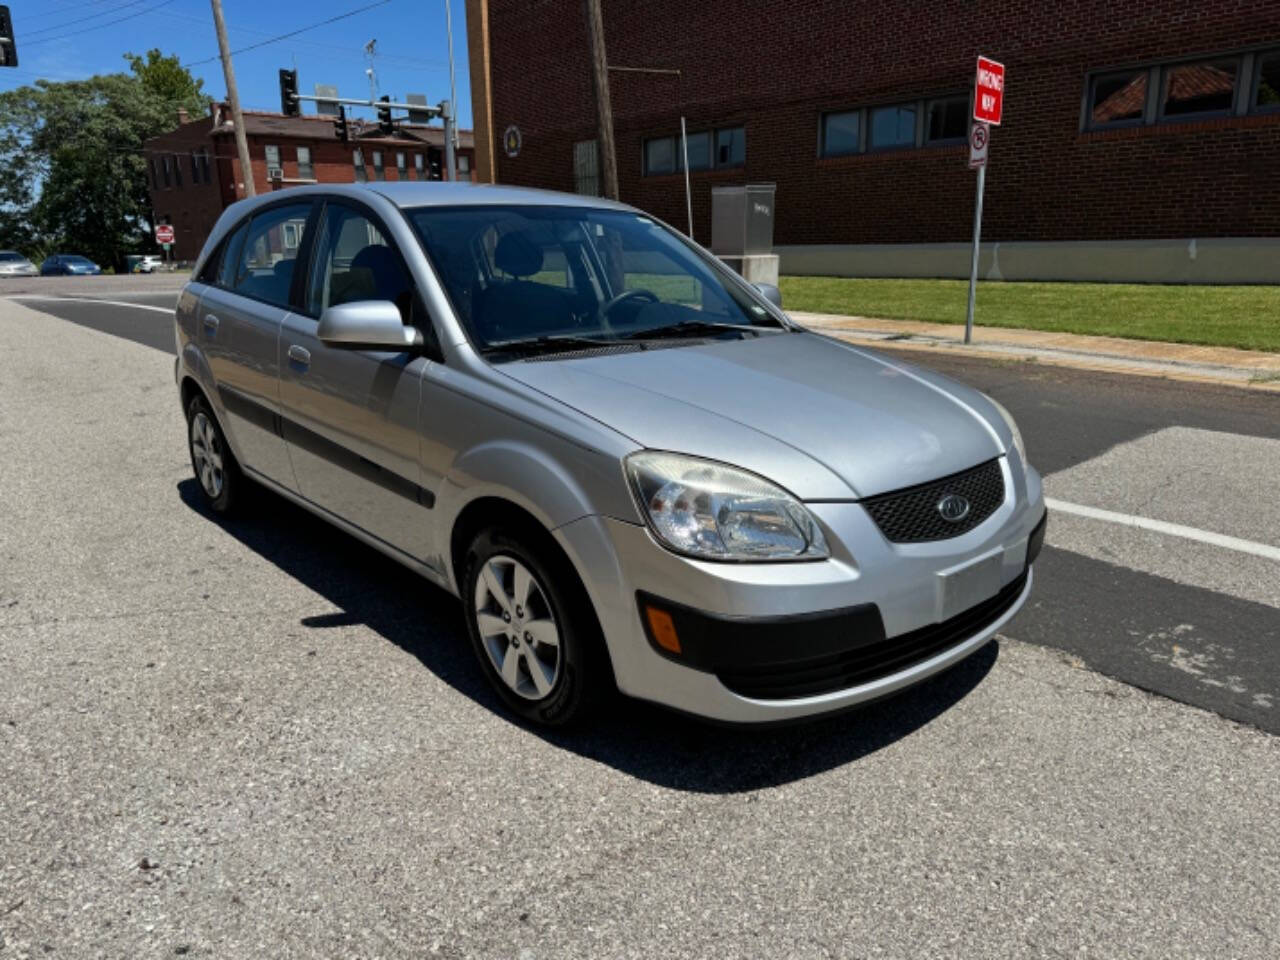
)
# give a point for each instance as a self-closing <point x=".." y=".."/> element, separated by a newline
<point x="259" y="738"/>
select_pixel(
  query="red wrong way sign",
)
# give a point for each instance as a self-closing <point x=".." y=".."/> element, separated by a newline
<point x="988" y="93"/>
<point x="164" y="233"/>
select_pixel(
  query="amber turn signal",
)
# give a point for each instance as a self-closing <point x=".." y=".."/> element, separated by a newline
<point x="663" y="629"/>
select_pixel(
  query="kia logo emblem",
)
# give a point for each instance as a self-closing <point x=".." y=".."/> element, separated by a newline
<point x="953" y="508"/>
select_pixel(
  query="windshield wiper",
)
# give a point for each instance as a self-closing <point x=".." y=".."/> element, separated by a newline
<point x="551" y="343"/>
<point x="695" y="328"/>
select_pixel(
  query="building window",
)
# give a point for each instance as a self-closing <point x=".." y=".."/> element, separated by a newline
<point x="402" y="167"/>
<point x="379" y="171"/>
<point x="305" y="170"/>
<point x="659" y="156"/>
<point x="195" y="169"/>
<point x="892" y="127"/>
<point x="357" y="162"/>
<point x="666" y="154"/>
<point x="464" y="166"/>
<point x="273" y="160"/>
<point x="947" y="119"/>
<point x="699" y="147"/>
<point x="419" y="165"/>
<point x="177" y="171"/>
<point x="1118" y="99"/>
<point x="151" y="170"/>
<point x="1266" y="87"/>
<point x="840" y="133"/>
<point x="1204" y="88"/>
<point x="731" y="147"/>
<point x="204" y="165"/>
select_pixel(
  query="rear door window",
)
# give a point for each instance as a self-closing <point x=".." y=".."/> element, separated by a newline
<point x="270" y="253"/>
<point x="230" y="254"/>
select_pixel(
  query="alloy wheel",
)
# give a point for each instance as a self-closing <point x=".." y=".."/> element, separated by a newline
<point x="517" y="627"/>
<point x="206" y="451"/>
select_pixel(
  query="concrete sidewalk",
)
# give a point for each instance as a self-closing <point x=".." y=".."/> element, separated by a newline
<point x="1249" y="368"/>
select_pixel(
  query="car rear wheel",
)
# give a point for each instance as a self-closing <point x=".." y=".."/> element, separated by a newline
<point x="217" y="473"/>
<point x="532" y="627"/>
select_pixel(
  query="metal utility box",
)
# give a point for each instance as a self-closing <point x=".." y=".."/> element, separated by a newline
<point x="742" y="220"/>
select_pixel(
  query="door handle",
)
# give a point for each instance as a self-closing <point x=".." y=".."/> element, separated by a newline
<point x="210" y="324"/>
<point x="300" y="355"/>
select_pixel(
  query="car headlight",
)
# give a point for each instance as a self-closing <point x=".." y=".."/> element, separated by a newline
<point x="713" y="511"/>
<point x="1013" y="428"/>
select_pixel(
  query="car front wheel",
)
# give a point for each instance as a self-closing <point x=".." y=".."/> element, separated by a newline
<point x="532" y="627"/>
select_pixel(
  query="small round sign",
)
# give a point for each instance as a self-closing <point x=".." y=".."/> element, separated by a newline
<point x="979" y="136"/>
<point x="511" y="141"/>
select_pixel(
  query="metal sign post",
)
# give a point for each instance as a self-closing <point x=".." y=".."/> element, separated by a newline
<point x="988" y="105"/>
<point x="973" y="265"/>
<point x="979" y="140"/>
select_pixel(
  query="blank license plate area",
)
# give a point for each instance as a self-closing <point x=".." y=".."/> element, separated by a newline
<point x="966" y="586"/>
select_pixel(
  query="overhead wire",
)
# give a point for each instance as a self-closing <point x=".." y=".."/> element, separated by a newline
<point x="99" y="26"/>
<point x="293" y="33"/>
<point x="92" y="16"/>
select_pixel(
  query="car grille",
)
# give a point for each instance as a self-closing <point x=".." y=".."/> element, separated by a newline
<point x="807" y="678"/>
<point x="912" y="515"/>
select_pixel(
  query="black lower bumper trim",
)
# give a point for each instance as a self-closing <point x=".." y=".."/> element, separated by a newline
<point x="786" y="658"/>
<point x="1036" y="540"/>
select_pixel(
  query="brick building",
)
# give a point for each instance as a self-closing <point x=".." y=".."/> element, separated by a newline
<point x="1131" y="130"/>
<point x="195" y="174"/>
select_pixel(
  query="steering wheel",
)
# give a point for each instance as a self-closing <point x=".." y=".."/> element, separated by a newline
<point x="645" y="296"/>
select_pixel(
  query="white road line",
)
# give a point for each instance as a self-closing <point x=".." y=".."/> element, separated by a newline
<point x="113" y="303"/>
<point x="1173" y="529"/>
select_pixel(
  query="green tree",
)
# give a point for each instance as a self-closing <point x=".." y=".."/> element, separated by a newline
<point x="166" y="77"/>
<point x="73" y="174"/>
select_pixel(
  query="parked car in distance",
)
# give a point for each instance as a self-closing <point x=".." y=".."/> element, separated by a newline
<point x="148" y="263"/>
<point x="14" y="264"/>
<point x="68" y="265"/>
<point x="631" y="466"/>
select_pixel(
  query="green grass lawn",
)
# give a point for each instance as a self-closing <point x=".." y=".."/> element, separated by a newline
<point x="1247" y="317"/>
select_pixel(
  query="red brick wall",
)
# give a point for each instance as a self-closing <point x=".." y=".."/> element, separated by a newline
<point x="193" y="209"/>
<point x="777" y="66"/>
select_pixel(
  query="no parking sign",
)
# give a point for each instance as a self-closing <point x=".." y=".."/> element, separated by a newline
<point x="979" y="138"/>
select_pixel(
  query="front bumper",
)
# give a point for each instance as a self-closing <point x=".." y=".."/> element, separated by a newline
<point x="772" y="642"/>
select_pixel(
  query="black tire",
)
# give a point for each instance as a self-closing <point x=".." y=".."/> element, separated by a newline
<point x="584" y="679"/>
<point x="230" y="486"/>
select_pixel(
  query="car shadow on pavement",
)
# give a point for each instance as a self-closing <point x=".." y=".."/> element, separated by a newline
<point x="637" y="738"/>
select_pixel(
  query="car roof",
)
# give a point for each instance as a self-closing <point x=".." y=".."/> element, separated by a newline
<point x="442" y="193"/>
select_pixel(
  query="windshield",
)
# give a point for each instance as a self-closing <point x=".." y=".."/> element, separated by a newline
<point x="6" y="257"/>
<point x="525" y="274"/>
<point x="76" y="260"/>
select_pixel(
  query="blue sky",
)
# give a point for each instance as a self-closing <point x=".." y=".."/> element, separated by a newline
<point x="412" y="50"/>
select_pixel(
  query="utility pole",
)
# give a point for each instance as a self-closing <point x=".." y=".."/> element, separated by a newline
<point x="604" y="109"/>
<point x="450" y="138"/>
<point x="233" y="94"/>
<point x="453" y="89"/>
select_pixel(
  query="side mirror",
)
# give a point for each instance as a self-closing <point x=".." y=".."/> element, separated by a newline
<point x="771" y="293"/>
<point x="367" y="325"/>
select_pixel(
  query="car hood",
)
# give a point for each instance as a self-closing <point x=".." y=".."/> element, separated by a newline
<point x="813" y="414"/>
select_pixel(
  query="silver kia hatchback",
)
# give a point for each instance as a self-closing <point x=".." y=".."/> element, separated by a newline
<point x="634" y="470"/>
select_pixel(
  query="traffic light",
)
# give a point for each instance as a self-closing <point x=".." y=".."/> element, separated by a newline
<point x="384" y="118"/>
<point x="289" y="104"/>
<point x="434" y="164"/>
<point x="340" y="125"/>
<point x="8" y="45"/>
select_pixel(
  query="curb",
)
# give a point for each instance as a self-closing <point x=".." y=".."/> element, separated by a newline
<point x="1264" y="379"/>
